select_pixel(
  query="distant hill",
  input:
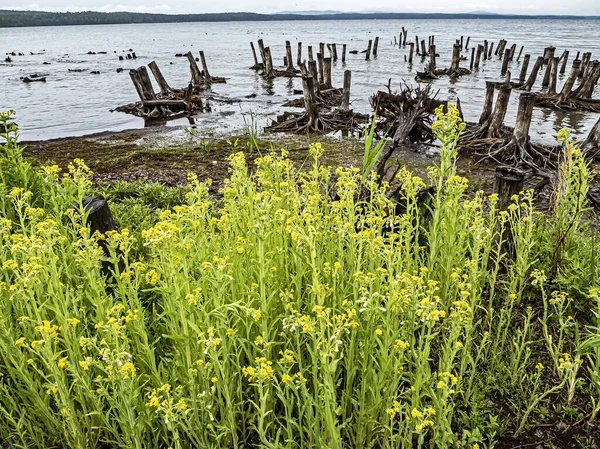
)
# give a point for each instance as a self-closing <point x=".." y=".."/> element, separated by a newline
<point x="310" y="13"/>
<point x="40" y="18"/>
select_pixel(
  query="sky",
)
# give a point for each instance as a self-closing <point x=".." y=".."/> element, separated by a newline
<point x="573" y="7"/>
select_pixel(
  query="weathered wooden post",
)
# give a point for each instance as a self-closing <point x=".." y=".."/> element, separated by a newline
<point x="423" y="50"/>
<point x="553" y="75"/>
<point x="346" y="91"/>
<point x="520" y="53"/>
<point x="432" y="61"/>
<point x="256" y="64"/>
<point x="524" y="68"/>
<point x="472" y="59"/>
<point x="369" y="50"/>
<point x="160" y="79"/>
<point x="196" y="75"/>
<point x="491" y="50"/>
<point x="478" y="56"/>
<point x="327" y="74"/>
<point x="488" y="104"/>
<point x="207" y="77"/>
<point x="454" y="66"/>
<point x="513" y="48"/>
<point x="344" y="53"/>
<point x="570" y="82"/>
<point x="505" y="62"/>
<point x="335" y="54"/>
<point x="548" y="53"/>
<point x="299" y="58"/>
<point x="499" y="111"/>
<point x="321" y="65"/>
<point x="310" y="53"/>
<point x="410" y="52"/>
<point x="288" y="55"/>
<point x="485" y="50"/>
<point x="467" y="44"/>
<point x="375" y="45"/>
<point x="417" y="45"/>
<point x="508" y="182"/>
<point x="534" y="73"/>
<point x="565" y="59"/>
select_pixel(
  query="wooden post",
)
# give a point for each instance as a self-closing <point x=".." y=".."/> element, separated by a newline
<point x="513" y="48"/>
<point x="310" y="105"/>
<point x="505" y="62"/>
<point x="472" y="59"/>
<point x="534" y="73"/>
<point x="508" y="182"/>
<point x="299" y="57"/>
<point x="327" y="74"/>
<point x="321" y="67"/>
<point x="524" y="114"/>
<point x="571" y="79"/>
<point x="137" y="83"/>
<point x="335" y="55"/>
<point x="269" y="63"/>
<point x="524" y="68"/>
<point x="417" y="45"/>
<point x="344" y="53"/>
<point x="432" y="62"/>
<point x="346" y="91"/>
<point x="310" y="53"/>
<point x="499" y="111"/>
<point x="314" y="73"/>
<point x="405" y="37"/>
<point x="369" y="50"/>
<point x="160" y="79"/>
<point x="548" y="53"/>
<point x="462" y="42"/>
<point x="478" y="56"/>
<point x="454" y="66"/>
<point x="491" y="50"/>
<point x="375" y="45"/>
<point x="261" y="48"/>
<point x="546" y="79"/>
<point x="196" y="75"/>
<point x="146" y="84"/>
<point x="288" y="55"/>
<point x="565" y="59"/>
<point x="520" y="53"/>
<point x="423" y="50"/>
<point x="322" y="48"/>
<point x="467" y="44"/>
<point x="207" y="76"/>
<point x="256" y="64"/>
<point x="585" y="60"/>
<point x="410" y="52"/>
<point x="488" y="104"/>
<point x="553" y="75"/>
<point x="485" y="50"/>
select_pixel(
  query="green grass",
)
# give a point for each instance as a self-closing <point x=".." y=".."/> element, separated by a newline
<point x="296" y="312"/>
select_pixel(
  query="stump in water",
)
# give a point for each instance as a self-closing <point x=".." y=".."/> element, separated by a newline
<point x="346" y="91"/>
<point x="313" y="119"/>
<point x="299" y="57"/>
<point x="574" y="99"/>
<point x="368" y="56"/>
<point x="375" y="46"/>
<point x="197" y="78"/>
<point x="169" y="103"/>
<point x="533" y="75"/>
<point x="524" y="69"/>
<point x="453" y="72"/>
<point x="565" y="60"/>
<point x="478" y="56"/>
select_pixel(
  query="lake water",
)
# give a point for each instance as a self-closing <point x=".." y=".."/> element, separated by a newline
<point x="78" y="103"/>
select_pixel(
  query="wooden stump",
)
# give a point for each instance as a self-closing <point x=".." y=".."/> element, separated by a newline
<point x="533" y="75"/>
<point x="508" y="181"/>
<point x="346" y="92"/>
<point x="524" y="68"/>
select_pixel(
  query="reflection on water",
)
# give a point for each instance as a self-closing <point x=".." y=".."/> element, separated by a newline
<point x="74" y="101"/>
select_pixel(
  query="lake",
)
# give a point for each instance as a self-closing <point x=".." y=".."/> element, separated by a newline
<point x="73" y="103"/>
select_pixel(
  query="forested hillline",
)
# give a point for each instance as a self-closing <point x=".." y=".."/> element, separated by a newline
<point x="40" y="18"/>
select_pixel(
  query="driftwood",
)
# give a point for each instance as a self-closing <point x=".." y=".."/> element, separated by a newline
<point x="406" y="116"/>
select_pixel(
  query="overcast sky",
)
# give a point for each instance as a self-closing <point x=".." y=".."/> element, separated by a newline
<point x="582" y="7"/>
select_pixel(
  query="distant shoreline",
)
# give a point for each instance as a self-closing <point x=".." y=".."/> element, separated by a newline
<point x="20" y="19"/>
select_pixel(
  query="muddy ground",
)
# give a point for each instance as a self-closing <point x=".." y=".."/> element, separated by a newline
<point x="166" y="155"/>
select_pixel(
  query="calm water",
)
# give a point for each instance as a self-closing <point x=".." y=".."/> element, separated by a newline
<point x="73" y="103"/>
